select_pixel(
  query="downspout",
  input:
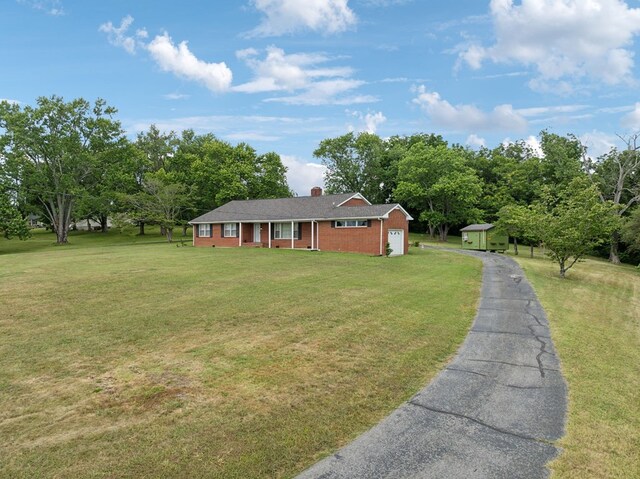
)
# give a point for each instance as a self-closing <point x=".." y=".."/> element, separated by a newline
<point x="269" y="234"/>
<point x="193" y="235"/>
<point x="240" y="234"/>
<point x="292" y="241"/>
<point x="381" y="250"/>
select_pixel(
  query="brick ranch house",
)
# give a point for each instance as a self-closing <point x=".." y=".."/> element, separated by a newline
<point x="344" y="222"/>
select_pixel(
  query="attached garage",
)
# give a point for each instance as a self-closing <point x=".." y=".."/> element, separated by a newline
<point x="396" y="242"/>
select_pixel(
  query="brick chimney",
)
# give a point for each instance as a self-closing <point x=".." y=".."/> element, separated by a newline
<point x="316" y="191"/>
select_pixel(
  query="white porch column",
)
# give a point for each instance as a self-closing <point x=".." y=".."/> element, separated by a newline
<point x="311" y="224"/>
<point x="193" y="234"/>
<point x="381" y="248"/>
<point x="240" y="234"/>
<point x="269" y="234"/>
<point x="292" y="240"/>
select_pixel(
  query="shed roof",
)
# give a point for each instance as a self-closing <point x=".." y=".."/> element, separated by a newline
<point x="478" y="227"/>
<point x="302" y="208"/>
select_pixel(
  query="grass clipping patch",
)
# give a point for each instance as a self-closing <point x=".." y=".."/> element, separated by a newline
<point x="147" y="360"/>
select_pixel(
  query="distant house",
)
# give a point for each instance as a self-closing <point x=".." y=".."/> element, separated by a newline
<point x="344" y="222"/>
<point x="484" y="237"/>
<point x="91" y="225"/>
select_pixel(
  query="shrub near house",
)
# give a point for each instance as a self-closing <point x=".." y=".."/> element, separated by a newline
<point x="343" y="222"/>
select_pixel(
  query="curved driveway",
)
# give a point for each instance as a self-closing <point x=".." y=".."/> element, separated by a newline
<point x="493" y="412"/>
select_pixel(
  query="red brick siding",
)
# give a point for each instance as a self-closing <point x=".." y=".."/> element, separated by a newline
<point x="355" y="202"/>
<point x="397" y="221"/>
<point x="354" y="240"/>
<point x="216" y="238"/>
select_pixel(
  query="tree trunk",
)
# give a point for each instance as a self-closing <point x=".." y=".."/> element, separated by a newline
<point x="184" y="230"/>
<point x="613" y="252"/>
<point x="141" y="226"/>
<point x="169" y="233"/>
<point x="103" y="223"/>
<point x="562" y="270"/>
<point x="163" y="230"/>
<point x="444" y="232"/>
<point x="515" y="246"/>
<point x="88" y="224"/>
<point x="59" y="212"/>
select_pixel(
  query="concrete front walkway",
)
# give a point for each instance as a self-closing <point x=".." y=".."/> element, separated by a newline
<point x="493" y="412"/>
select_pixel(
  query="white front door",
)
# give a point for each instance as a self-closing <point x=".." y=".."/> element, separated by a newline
<point x="396" y="242"/>
<point x="256" y="232"/>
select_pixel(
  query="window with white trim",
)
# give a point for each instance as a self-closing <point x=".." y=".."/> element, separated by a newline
<point x="351" y="223"/>
<point x="204" y="230"/>
<point x="231" y="230"/>
<point x="283" y="230"/>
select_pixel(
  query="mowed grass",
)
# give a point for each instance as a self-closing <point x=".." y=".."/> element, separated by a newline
<point x="595" y="322"/>
<point x="151" y="360"/>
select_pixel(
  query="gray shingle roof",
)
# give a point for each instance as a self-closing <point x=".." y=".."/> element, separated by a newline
<point x="303" y="208"/>
<point x="478" y="227"/>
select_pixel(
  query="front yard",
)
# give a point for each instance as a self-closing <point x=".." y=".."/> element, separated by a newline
<point x="150" y="360"/>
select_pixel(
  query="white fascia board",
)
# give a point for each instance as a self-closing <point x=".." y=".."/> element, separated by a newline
<point x="357" y="195"/>
<point x="398" y="207"/>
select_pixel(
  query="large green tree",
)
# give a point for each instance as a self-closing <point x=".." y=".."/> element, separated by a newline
<point x="572" y="223"/>
<point x="617" y="175"/>
<point x="354" y="165"/>
<point x="58" y="144"/>
<point x="437" y="181"/>
<point x="516" y="221"/>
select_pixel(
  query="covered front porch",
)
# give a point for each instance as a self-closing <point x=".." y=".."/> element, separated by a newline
<point x="279" y="234"/>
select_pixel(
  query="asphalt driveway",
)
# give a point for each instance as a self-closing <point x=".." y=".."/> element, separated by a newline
<point x="493" y="412"/>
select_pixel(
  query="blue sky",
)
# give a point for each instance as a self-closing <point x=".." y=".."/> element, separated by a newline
<point x="282" y="75"/>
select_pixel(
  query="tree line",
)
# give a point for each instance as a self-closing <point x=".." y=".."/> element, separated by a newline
<point x="70" y="161"/>
<point x="559" y="196"/>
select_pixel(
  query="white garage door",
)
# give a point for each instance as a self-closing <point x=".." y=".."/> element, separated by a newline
<point x="396" y="242"/>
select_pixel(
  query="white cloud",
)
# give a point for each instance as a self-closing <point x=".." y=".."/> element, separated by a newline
<point x="50" y="7"/>
<point x="598" y="143"/>
<point x="304" y="74"/>
<point x="290" y="16"/>
<point x="176" y="96"/>
<point x="329" y="92"/>
<point x="475" y="141"/>
<point x="180" y="61"/>
<point x="468" y="117"/>
<point x="118" y="37"/>
<point x="301" y="175"/>
<point x="562" y="39"/>
<point x="549" y="110"/>
<point x="631" y="120"/>
<point x="369" y="121"/>
<point x="279" y="71"/>
<point x="8" y="100"/>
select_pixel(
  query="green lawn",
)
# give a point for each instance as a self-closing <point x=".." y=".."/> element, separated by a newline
<point x="595" y="323"/>
<point x="452" y="241"/>
<point x="123" y="356"/>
